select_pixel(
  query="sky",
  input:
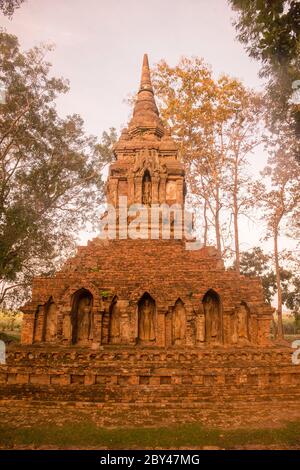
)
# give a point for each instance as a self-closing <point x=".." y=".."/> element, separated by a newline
<point x="99" y="45"/>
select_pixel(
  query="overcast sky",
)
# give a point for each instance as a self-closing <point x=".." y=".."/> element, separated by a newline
<point x="100" y="44"/>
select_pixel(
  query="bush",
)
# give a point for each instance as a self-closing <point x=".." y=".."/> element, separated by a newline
<point x="10" y="321"/>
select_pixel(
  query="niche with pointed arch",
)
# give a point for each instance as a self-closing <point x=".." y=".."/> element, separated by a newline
<point x="81" y="316"/>
<point x="213" y="317"/>
<point x="146" y="189"/>
<point x="146" y="319"/>
<point x="114" y="326"/>
<point x="111" y="323"/>
<point x="50" y="321"/>
<point x="178" y="323"/>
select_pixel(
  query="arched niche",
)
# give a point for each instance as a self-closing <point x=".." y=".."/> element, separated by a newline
<point x="146" y="319"/>
<point x="178" y="323"/>
<point x="50" y="331"/>
<point x="146" y="188"/>
<point x="114" y="325"/>
<point x="212" y="317"/>
<point x="81" y="316"/>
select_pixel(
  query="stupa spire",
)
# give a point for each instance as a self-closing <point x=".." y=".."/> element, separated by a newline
<point x="145" y="114"/>
<point x="146" y="84"/>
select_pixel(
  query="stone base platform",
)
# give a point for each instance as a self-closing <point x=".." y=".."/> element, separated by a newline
<point x="172" y="378"/>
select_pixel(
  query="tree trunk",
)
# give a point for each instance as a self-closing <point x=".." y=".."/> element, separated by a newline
<point x="236" y="242"/>
<point x="217" y="222"/>
<point x="205" y="223"/>
<point x="236" y="222"/>
<point x="278" y="283"/>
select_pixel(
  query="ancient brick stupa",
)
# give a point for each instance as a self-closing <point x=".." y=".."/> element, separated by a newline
<point x="146" y="292"/>
<point x="136" y="324"/>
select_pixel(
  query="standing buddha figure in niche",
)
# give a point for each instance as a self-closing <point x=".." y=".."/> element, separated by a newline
<point x="242" y="322"/>
<point x="114" y="326"/>
<point x="147" y="188"/>
<point x="211" y="310"/>
<point x="84" y="319"/>
<point x="146" y="321"/>
<point x="178" y="323"/>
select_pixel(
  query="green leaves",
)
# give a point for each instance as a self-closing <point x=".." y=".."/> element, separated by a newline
<point x="105" y="294"/>
<point x="50" y="171"/>
<point x="8" y="7"/>
<point x="256" y="263"/>
<point x="270" y="31"/>
<point x="216" y="123"/>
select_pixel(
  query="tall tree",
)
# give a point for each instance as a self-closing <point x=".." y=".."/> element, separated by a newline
<point x="50" y="170"/>
<point x="243" y="136"/>
<point x="279" y="203"/>
<point x="270" y="31"/>
<point x="216" y="122"/>
<point x="257" y="263"/>
<point x="292" y="298"/>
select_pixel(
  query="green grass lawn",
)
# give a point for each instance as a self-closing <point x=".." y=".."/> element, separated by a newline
<point x="87" y="434"/>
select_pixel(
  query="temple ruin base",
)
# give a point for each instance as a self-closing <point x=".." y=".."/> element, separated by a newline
<point x="147" y="328"/>
<point x="145" y="382"/>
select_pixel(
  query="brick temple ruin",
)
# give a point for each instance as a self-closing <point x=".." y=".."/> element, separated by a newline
<point x="110" y="289"/>
<point x="147" y="320"/>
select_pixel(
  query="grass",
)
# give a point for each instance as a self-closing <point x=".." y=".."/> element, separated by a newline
<point x="87" y="434"/>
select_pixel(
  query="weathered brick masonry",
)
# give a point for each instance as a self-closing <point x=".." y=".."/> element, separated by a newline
<point x="147" y="320"/>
